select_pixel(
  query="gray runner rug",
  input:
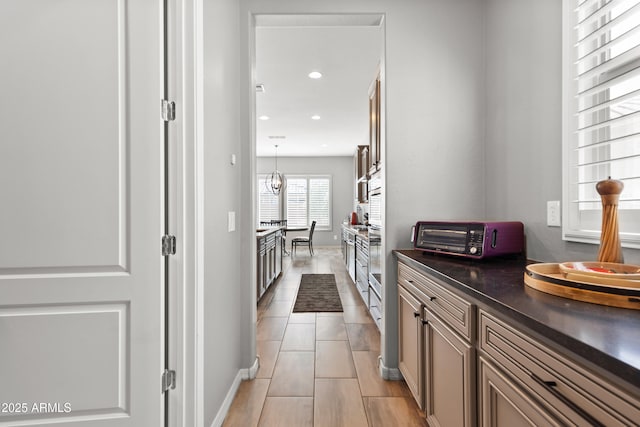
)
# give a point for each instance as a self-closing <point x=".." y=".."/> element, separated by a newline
<point x="317" y="292"/>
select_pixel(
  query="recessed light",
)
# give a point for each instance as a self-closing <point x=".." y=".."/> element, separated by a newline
<point x="315" y="117"/>
<point x="315" y="75"/>
<point x="264" y="117"/>
<point x="324" y="145"/>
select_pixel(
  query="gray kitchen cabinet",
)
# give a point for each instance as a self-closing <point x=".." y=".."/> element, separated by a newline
<point x="261" y="276"/>
<point x="279" y="250"/>
<point x="269" y="259"/>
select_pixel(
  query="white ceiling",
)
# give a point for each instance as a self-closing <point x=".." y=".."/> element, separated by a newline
<point x="288" y="48"/>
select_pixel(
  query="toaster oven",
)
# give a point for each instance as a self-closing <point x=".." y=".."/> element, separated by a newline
<point x="471" y="239"/>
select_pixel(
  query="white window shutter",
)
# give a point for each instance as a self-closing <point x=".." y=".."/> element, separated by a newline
<point x="601" y="114"/>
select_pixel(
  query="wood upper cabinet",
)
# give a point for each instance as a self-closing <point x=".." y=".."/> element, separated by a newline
<point x="361" y="172"/>
<point x="374" y="126"/>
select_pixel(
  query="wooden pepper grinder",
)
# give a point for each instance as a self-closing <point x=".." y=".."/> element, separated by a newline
<point x="610" y="247"/>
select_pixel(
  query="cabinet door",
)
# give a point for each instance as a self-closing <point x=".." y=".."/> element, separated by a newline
<point x="374" y="126"/>
<point x="504" y="403"/>
<point x="351" y="260"/>
<point x="563" y="385"/>
<point x="410" y="334"/>
<point x="278" y="254"/>
<point x="449" y="376"/>
<point x="261" y="273"/>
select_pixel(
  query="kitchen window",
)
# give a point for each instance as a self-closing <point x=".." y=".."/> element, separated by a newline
<point x="308" y="198"/>
<point x="601" y="110"/>
<point x="268" y="203"/>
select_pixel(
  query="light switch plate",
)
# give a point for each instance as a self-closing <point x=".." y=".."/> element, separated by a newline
<point x="231" y="221"/>
<point x="553" y="213"/>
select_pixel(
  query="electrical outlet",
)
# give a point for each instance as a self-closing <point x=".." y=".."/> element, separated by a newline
<point x="553" y="213"/>
<point x="335" y="237"/>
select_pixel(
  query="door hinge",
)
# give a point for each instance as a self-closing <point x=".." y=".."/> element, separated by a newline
<point x="168" y="245"/>
<point x="168" y="110"/>
<point x="168" y="380"/>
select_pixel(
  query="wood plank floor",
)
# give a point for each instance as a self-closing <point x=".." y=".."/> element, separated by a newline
<point x="319" y="369"/>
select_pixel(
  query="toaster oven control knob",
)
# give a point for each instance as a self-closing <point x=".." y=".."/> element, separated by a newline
<point x="473" y="250"/>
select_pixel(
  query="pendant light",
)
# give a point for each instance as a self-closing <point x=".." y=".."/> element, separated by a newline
<point x="275" y="182"/>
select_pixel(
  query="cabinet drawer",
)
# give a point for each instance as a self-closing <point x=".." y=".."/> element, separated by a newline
<point x="503" y="402"/>
<point x="451" y="308"/>
<point x="375" y="307"/>
<point x="564" y="385"/>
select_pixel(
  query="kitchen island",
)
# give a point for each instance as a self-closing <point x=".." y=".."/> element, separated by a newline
<point x="520" y="354"/>
<point x="269" y="257"/>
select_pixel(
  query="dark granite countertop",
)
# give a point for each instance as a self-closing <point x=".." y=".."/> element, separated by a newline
<point x="608" y="337"/>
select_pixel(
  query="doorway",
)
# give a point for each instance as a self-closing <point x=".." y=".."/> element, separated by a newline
<point x="312" y="120"/>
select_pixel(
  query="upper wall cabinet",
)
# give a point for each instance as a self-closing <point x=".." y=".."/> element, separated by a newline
<point x="374" y="126"/>
<point x="362" y="165"/>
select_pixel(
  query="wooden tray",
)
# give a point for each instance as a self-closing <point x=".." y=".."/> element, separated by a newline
<point x="547" y="277"/>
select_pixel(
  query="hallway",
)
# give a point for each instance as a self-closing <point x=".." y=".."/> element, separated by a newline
<point x="319" y="369"/>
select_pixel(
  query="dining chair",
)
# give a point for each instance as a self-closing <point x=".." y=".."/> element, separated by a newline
<point x="304" y="241"/>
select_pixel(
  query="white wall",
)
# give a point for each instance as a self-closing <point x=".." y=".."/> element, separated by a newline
<point x="341" y="171"/>
<point x="524" y="124"/>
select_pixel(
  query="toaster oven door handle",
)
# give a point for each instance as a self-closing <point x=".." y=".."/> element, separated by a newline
<point x="494" y="238"/>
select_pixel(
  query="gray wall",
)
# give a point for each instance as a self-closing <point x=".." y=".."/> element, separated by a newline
<point x="225" y="299"/>
<point x="472" y="96"/>
<point x="434" y="93"/>
<point x="524" y="125"/>
<point x="341" y="171"/>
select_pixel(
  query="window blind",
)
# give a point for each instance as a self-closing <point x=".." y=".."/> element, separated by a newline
<point x="602" y="114"/>
<point x="297" y="202"/>
<point x="320" y="202"/>
<point x="308" y="198"/>
<point x="268" y="203"/>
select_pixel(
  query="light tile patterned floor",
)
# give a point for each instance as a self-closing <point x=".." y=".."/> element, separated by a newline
<point x="319" y="369"/>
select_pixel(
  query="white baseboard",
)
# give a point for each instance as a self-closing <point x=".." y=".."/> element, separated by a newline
<point x="242" y="375"/>
<point x="392" y="374"/>
<point x="253" y="370"/>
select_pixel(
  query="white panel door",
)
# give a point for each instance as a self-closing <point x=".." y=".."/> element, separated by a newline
<point x="81" y="335"/>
